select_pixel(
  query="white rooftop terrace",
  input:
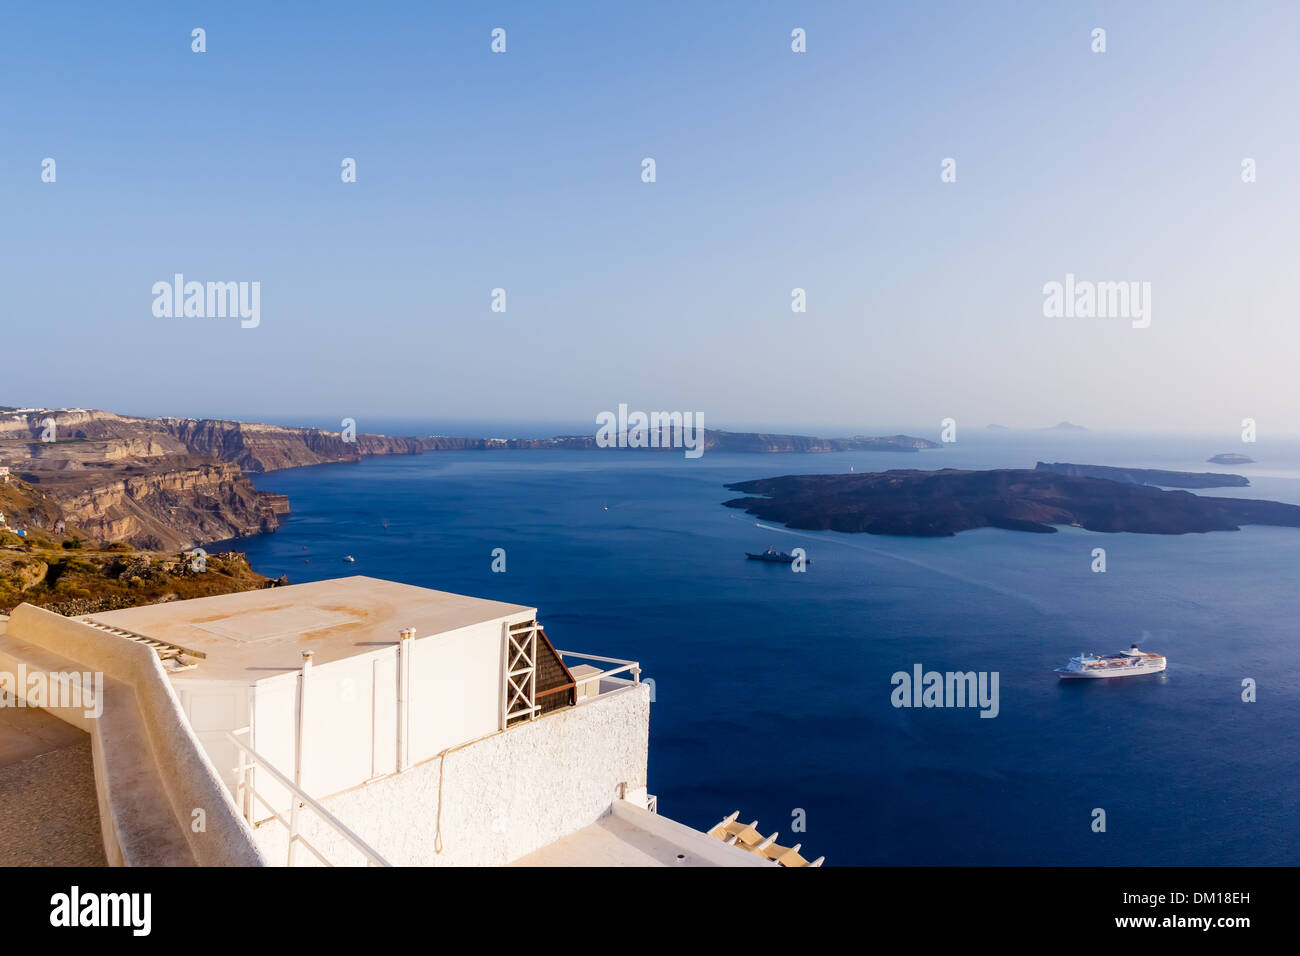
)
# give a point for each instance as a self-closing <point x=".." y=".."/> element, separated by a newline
<point x="253" y="635"/>
<point x="413" y="730"/>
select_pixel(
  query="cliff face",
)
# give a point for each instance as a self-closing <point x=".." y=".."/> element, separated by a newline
<point x="261" y="448"/>
<point x="168" y="509"/>
<point x="102" y="436"/>
<point x="744" y="442"/>
<point x="778" y="444"/>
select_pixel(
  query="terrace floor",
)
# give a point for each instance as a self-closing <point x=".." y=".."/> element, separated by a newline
<point x="49" y="812"/>
<point x="631" y="836"/>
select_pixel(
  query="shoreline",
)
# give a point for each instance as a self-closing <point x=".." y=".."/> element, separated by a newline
<point x="173" y="483"/>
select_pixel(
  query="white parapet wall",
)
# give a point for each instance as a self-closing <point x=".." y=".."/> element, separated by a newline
<point x="161" y="801"/>
<point x="496" y="799"/>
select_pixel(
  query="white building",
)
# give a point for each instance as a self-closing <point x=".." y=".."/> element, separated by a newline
<point x="379" y="722"/>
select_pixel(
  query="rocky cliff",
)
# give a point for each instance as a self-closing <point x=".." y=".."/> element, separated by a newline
<point x="262" y="448"/>
<point x="188" y="504"/>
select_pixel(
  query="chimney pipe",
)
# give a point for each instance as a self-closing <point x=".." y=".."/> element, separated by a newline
<point x="405" y="637"/>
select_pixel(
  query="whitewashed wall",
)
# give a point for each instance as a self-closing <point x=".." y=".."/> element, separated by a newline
<point x="214" y="708"/>
<point x="502" y="797"/>
<point x="351" y="734"/>
<point x="455" y="688"/>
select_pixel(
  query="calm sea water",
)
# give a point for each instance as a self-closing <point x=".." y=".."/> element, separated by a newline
<point x="772" y="689"/>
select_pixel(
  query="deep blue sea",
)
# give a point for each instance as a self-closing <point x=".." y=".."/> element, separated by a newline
<point x="772" y="688"/>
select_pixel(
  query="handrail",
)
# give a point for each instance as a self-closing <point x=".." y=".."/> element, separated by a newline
<point x="607" y="660"/>
<point x="338" y="825"/>
<point x="624" y="666"/>
<point x="636" y="676"/>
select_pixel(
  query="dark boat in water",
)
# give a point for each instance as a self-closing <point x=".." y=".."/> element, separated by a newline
<point x="775" y="556"/>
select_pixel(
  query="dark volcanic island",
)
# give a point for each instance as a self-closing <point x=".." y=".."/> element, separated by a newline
<point x="941" y="503"/>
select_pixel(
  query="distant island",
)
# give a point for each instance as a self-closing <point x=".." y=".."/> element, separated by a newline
<point x="1148" y="476"/>
<point x="1231" y="458"/>
<point x="942" y="503"/>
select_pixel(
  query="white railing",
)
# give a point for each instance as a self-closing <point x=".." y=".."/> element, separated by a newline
<point x="612" y="673"/>
<point x="250" y="760"/>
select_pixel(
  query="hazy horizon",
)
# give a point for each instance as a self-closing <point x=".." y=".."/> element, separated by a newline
<point x="775" y="170"/>
<point x="524" y="427"/>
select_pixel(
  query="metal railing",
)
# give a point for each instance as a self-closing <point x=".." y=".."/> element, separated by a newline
<point x="245" y="793"/>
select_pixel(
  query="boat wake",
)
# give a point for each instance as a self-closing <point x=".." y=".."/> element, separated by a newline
<point x="1038" y="606"/>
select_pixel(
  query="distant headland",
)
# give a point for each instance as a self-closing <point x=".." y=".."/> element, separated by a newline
<point x="942" y="503"/>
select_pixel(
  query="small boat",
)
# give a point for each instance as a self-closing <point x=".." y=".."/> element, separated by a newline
<point x="774" y="556"/>
<point x="1130" y="663"/>
<point x="349" y="559"/>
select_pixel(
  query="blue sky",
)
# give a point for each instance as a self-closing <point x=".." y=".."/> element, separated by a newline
<point x="775" y="170"/>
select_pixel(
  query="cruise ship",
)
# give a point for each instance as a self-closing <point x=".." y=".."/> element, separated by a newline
<point x="1131" y="663"/>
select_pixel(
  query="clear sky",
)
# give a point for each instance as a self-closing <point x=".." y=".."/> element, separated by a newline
<point x="775" y="170"/>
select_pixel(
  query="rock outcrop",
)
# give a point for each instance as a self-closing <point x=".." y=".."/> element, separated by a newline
<point x="178" y="507"/>
<point x="78" y="581"/>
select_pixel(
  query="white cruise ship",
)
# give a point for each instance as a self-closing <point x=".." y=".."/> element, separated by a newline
<point x="1131" y="663"/>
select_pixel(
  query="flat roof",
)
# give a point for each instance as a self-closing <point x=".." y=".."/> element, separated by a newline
<point x="254" y="635"/>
